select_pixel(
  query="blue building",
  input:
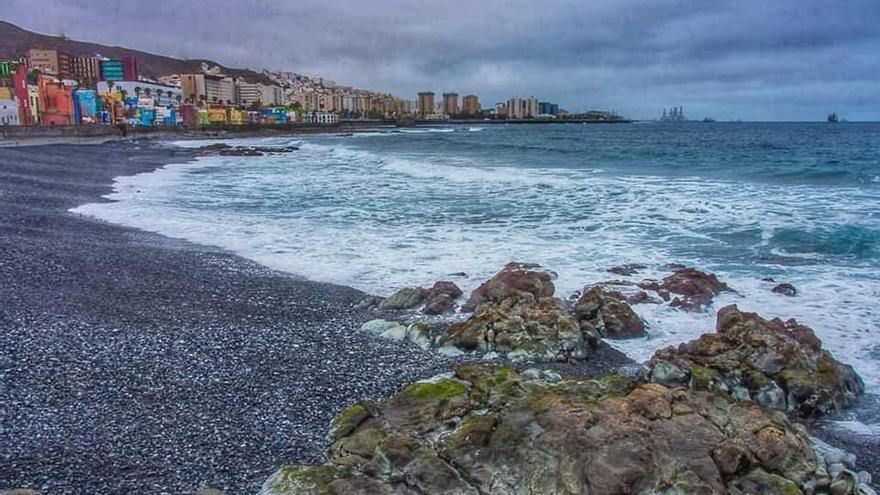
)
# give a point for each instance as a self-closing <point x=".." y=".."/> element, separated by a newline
<point x="85" y="106"/>
<point x="147" y="116"/>
<point x="547" y="108"/>
<point x="112" y="70"/>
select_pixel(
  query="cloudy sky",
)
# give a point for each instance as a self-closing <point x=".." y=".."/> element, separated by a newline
<point x="747" y="59"/>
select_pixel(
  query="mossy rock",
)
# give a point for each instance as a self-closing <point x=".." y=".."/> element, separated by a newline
<point x="347" y="420"/>
<point x="303" y="480"/>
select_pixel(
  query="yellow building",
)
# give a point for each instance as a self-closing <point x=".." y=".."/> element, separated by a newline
<point x="217" y="115"/>
<point x="237" y="117"/>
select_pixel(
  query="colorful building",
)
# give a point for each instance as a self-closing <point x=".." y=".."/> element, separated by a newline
<point x="8" y="108"/>
<point x="112" y="70"/>
<point x="85" y="107"/>
<point x="56" y="101"/>
<point x="162" y="94"/>
<point x="130" y="68"/>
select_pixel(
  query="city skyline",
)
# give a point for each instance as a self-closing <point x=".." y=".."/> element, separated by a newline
<point x="786" y="61"/>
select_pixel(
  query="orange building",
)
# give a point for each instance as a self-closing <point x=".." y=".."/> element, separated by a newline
<point x="470" y="105"/>
<point x="56" y="101"/>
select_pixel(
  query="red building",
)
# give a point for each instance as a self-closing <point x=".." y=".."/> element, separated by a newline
<point x="129" y="68"/>
<point x="20" y="89"/>
<point x="56" y="101"/>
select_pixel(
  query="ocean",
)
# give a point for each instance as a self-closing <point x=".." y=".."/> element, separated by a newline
<point x="798" y="203"/>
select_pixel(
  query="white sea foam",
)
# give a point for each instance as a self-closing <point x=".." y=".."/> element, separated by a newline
<point x="338" y="213"/>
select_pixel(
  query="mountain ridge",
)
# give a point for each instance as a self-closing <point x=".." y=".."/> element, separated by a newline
<point x="15" y="42"/>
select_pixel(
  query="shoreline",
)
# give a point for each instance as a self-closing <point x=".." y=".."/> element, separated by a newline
<point x="23" y="136"/>
<point x="181" y="365"/>
<point x="133" y="362"/>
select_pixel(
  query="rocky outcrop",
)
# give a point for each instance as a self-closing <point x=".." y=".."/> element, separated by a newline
<point x="607" y="314"/>
<point x="441" y="298"/>
<point x="513" y="280"/>
<point x="523" y="328"/>
<point x="785" y="289"/>
<point x="693" y="290"/>
<point x="406" y="298"/>
<point x="491" y="430"/>
<point x="780" y="365"/>
<point x="223" y="149"/>
<point x="627" y="270"/>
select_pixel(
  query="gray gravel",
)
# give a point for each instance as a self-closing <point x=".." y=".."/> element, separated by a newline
<point x="133" y="363"/>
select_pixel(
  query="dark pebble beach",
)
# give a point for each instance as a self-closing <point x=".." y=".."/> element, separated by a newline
<point x="135" y="363"/>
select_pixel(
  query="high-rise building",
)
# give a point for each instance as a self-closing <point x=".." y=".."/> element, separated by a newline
<point x="470" y="105"/>
<point x="86" y="70"/>
<point x="130" y="68"/>
<point x="426" y="102"/>
<point x="219" y="89"/>
<point x="246" y="94"/>
<point x="515" y="108"/>
<point x="450" y="103"/>
<point x="193" y="88"/>
<point x="112" y="70"/>
<point x="531" y="108"/>
<point x="45" y="60"/>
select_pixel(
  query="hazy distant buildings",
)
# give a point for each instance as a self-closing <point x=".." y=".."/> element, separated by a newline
<point x="673" y="115"/>
<point x="426" y="103"/>
<point x="470" y="105"/>
<point x="450" y="104"/>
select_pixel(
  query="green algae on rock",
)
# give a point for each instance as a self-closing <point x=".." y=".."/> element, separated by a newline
<point x="780" y="365"/>
<point x="492" y="430"/>
<point x="524" y="328"/>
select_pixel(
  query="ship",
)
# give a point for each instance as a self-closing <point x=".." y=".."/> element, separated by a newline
<point x="832" y="118"/>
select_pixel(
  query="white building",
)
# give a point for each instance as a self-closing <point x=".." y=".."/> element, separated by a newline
<point x="320" y="118"/>
<point x="271" y="96"/>
<point x="162" y="94"/>
<point x="246" y="94"/>
<point x="9" y="112"/>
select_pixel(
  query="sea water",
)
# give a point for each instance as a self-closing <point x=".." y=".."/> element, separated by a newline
<point x="798" y="203"/>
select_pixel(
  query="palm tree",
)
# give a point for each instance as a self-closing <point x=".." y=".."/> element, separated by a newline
<point x="137" y="91"/>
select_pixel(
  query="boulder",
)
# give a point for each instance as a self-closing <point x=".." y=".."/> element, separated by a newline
<point x="524" y="328"/>
<point x="441" y="298"/>
<point x="627" y="270"/>
<point x="785" y="289"/>
<point x="694" y="289"/>
<point x="513" y="280"/>
<point x="607" y="313"/>
<point x="780" y="365"/>
<point x="488" y="430"/>
<point x="406" y="298"/>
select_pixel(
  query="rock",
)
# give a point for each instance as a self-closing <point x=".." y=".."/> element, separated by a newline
<point x="370" y="302"/>
<point x="419" y="334"/>
<point x="785" y="289"/>
<point x="488" y="429"/>
<point x="391" y="330"/>
<point x="607" y="313"/>
<point x="513" y="280"/>
<point x="406" y="298"/>
<point x="627" y="270"/>
<point x="641" y="297"/>
<point x="779" y="364"/>
<point x="524" y="328"/>
<point x="210" y="491"/>
<point x="441" y="298"/>
<point x="695" y="289"/>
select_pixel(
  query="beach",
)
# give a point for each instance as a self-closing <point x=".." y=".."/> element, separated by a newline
<point x="136" y="363"/>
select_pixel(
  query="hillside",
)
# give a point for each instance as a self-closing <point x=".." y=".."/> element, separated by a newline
<point x="15" y="41"/>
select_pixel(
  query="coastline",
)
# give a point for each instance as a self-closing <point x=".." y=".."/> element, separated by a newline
<point x="24" y="136"/>
<point x="136" y="362"/>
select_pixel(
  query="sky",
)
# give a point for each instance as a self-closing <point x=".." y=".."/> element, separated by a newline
<point x="726" y="59"/>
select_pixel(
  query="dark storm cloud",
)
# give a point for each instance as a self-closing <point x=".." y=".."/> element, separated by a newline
<point x="750" y="59"/>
